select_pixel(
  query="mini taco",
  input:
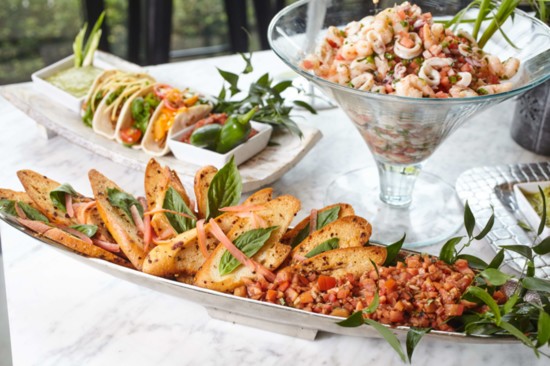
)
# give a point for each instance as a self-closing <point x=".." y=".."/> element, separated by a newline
<point x="100" y="88"/>
<point x="178" y="110"/>
<point x="135" y="118"/>
<point x="115" y="103"/>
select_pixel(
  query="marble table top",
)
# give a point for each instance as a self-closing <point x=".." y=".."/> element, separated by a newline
<point x="63" y="313"/>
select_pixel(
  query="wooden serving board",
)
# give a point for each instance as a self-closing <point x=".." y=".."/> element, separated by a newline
<point x="263" y="169"/>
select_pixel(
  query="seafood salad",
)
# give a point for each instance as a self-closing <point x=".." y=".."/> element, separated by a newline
<point x="402" y="51"/>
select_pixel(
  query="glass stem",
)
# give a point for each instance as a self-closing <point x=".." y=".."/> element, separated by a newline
<point x="397" y="183"/>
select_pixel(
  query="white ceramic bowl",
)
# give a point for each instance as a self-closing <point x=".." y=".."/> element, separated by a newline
<point x="243" y="152"/>
<point x="102" y="60"/>
<point x="533" y="219"/>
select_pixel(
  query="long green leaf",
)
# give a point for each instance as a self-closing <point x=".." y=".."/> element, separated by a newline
<point x="392" y="251"/>
<point x="32" y="213"/>
<point x="516" y="333"/>
<point x="487" y="228"/>
<point x="520" y="249"/>
<point x="497" y="260"/>
<point x="488" y="300"/>
<point x="8" y="206"/>
<point x="469" y="220"/>
<point x="536" y="284"/>
<point x="414" y="335"/>
<point x="353" y="321"/>
<point x="389" y="337"/>
<point x="473" y="261"/>
<point x="373" y="305"/>
<point x="543" y="213"/>
<point x="543" y="247"/>
<point x="494" y="276"/>
<point x="483" y="11"/>
<point x="88" y="230"/>
<point x="448" y="251"/>
<point x="543" y="328"/>
<point x="95" y="30"/>
<point x="324" y="217"/>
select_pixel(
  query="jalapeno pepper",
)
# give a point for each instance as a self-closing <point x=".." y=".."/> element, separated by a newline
<point x="235" y="131"/>
<point x="206" y="136"/>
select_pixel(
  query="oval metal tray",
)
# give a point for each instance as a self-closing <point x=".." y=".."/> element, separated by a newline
<point x="272" y="317"/>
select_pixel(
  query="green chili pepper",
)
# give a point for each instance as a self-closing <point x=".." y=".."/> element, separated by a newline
<point x="206" y="136"/>
<point x="235" y="131"/>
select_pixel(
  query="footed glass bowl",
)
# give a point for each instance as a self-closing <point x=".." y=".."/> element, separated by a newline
<point x="402" y="132"/>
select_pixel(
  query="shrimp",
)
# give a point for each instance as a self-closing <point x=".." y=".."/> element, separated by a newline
<point x="511" y="67"/>
<point x="382" y="25"/>
<point x="348" y="51"/>
<point x="432" y="36"/>
<point x="382" y="66"/>
<point x="376" y="41"/>
<point x="363" y="48"/>
<point x="458" y="91"/>
<point x="428" y="70"/>
<point x="361" y="66"/>
<point x="363" y="82"/>
<point x="399" y="71"/>
<point x="495" y="88"/>
<point x="413" y="86"/>
<point x="408" y="53"/>
<point x="343" y="73"/>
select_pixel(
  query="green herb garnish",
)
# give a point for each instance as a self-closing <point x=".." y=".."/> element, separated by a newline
<point x="174" y="202"/>
<point x="58" y="196"/>
<point x="225" y="189"/>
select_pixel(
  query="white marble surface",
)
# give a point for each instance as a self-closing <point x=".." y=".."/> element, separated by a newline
<point x="63" y="313"/>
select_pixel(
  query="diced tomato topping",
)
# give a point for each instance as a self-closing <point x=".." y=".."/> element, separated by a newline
<point x="271" y="295"/>
<point x="306" y="297"/>
<point x="326" y="282"/>
<point x="454" y="309"/>
<point x="130" y="135"/>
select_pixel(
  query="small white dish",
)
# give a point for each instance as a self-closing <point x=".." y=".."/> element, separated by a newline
<point x="533" y="219"/>
<point x="102" y="60"/>
<point x="199" y="156"/>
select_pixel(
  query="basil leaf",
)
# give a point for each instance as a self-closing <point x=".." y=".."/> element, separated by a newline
<point x="487" y="228"/>
<point x="232" y="79"/>
<point x="88" y="230"/>
<point x="174" y="202"/>
<point x="520" y="249"/>
<point x="543" y="328"/>
<point x="306" y="106"/>
<point x="495" y="277"/>
<point x="497" y="260"/>
<point x="324" y="218"/>
<point x="414" y="335"/>
<point x="543" y="213"/>
<point x="469" y="220"/>
<point x="58" y="195"/>
<point x="388" y="336"/>
<point x="329" y="244"/>
<point x="124" y="201"/>
<point x="487" y="299"/>
<point x="392" y="251"/>
<point x="32" y="213"/>
<point x="473" y="261"/>
<point x="536" y="284"/>
<point x="225" y="189"/>
<point x="516" y="333"/>
<point x="448" y="251"/>
<point x="543" y="247"/>
<point x="373" y="305"/>
<point x="8" y="206"/>
<point x="353" y="321"/>
<point x="249" y="243"/>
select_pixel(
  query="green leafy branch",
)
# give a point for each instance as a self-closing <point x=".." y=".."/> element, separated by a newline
<point x="262" y="93"/>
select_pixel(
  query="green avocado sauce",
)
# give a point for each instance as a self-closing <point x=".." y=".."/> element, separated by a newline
<point x="535" y="200"/>
<point x="75" y="81"/>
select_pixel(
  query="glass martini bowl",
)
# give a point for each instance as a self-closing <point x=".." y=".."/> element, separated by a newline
<point x="402" y="132"/>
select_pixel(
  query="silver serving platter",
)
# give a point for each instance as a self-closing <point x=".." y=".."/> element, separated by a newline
<point x="493" y="186"/>
<point x="272" y="317"/>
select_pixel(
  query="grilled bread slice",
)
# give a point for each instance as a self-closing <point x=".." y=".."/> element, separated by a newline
<point x="339" y="262"/>
<point x="38" y="187"/>
<point x="121" y="227"/>
<point x="277" y="212"/>
<point x="291" y="236"/>
<point x="158" y="180"/>
<point x="352" y="231"/>
<point x="8" y="194"/>
<point x="82" y="247"/>
<point x="203" y="178"/>
<point x="181" y="256"/>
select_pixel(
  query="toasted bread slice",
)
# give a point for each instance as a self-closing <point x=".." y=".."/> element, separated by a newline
<point x="121" y="227"/>
<point x="352" y="231"/>
<point x="38" y="187"/>
<point x="203" y="178"/>
<point x="82" y="247"/>
<point x="157" y="181"/>
<point x="339" y="262"/>
<point x="288" y="238"/>
<point x="278" y="212"/>
<point x="181" y="256"/>
<point x="8" y="194"/>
